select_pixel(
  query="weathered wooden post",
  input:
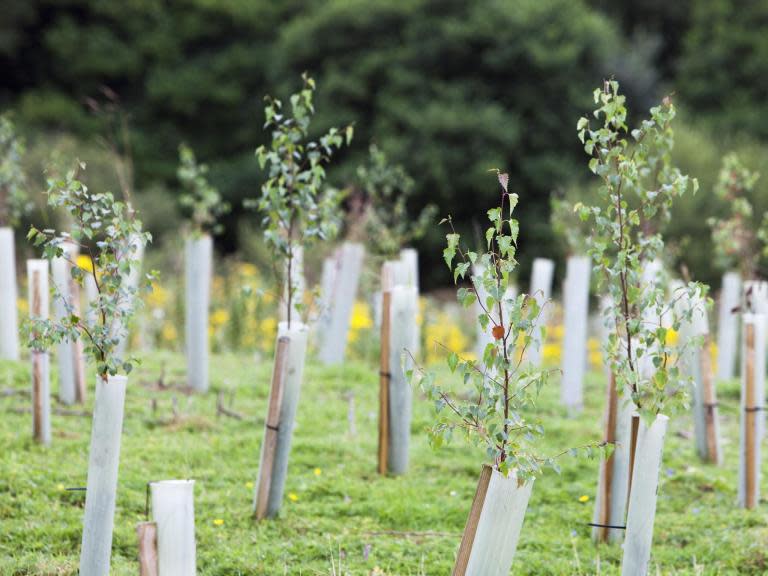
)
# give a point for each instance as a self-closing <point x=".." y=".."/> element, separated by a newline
<point x="728" y="325"/>
<point x="752" y="398"/>
<point x="271" y="429"/>
<point x="37" y="278"/>
<point x="146" y="533"/>
<point x="173" y="510"/>
<point x="384" y="369"/>
<point x="199" y="267"/>
<point x="642" y="496"/>
<point x="333" y="346"/>
<point x="697" y="364"/>
<point x="9" y="330"/>
<point x="576" y="305"/>
<point x="613" y="481"/>
<point x="287" y="374"/>
<point x="494" y="524"/>
<point x="542" y="273"/>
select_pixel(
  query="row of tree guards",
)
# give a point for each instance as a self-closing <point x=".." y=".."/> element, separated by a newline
<point x="399" y="301"/>
<point x="628" y="479"/>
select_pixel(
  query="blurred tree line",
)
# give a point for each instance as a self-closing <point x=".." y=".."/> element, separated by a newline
<point x="447" y="88"/>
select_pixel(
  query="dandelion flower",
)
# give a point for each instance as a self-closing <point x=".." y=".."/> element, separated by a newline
<point x="218" y="522"/>
<point x="293" y="497"/>
<point x="249" y="485"/>
<point x="318" y="471"/>
<point x="584" y="498"/>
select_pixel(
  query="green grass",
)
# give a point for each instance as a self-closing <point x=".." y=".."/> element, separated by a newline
<point x="347" y="514"/>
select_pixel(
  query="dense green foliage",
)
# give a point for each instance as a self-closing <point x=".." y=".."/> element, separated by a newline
<point x="447" y="89"/>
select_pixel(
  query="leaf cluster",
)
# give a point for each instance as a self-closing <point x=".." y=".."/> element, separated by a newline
<point x="107" y="230"/>
<point x="495" y="401"/>
<point x="735" y="241"/>
<point x="199" y="195"/>
<point x="638" y="185"/>
<point x="295" y="203"/>
<point x="386" y="190"/>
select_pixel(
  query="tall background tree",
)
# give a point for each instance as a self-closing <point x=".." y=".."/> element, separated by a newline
<point x="449" y="89"/>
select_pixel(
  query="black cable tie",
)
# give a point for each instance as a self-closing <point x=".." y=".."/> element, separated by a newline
<point x="385" y="374"/>
<point x="275" y="428"/>
<point x="75" y="489"/>
<point x="606" y="526"/>
<point x="754" y="409"/>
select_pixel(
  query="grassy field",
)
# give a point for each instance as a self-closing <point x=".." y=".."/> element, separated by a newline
<point x="341" y="517"/>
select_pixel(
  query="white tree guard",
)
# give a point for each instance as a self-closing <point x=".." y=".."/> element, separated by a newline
<point x="403" y="309"/>
<point x="173" y="510"/>
<point x="137" y="250"/>
<point x="103" y="464"/>
<point x="542" y="274"/>
<point x="199" y="270"/>
<point x="39" y="308"/>
<point x="642" y="498"/>
<point x="757" y="322"/>
<point x="91" y="296"/>
<point x="334" y="343"/>
<point x="692" y="367"/>
<point x="297" y="351"/>
<point x="576" y="314"/>
<point x="499" y="526"/>
<point x="297" y="279"/>
<point x="410" y="262"/>
<point x="410" y="259"/>
<point x="62" y="304"/>
<point x="728" y="325"/>
<point x="653" y="275"/>
<point x="9" y="331"/>
<point x="327" y="283"/>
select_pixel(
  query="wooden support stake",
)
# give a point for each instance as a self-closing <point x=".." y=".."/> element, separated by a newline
<point x="607" y="465"/>
<point x="78" y="360"/>
<point x="384" y="378"/>
<point x="710" y="401"/>
<point x="470" y="529"/>
<point x="147" y="535"/>
<point x="750" y="417"/>
<point x="632" y="450"/>
<point x="272" y="427"/>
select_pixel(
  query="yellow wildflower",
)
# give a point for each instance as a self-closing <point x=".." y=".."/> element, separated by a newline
<point x="361" y="320"/>
<point x="293" y="497"/>
<point x="218" y="522"/>
<point x="584" y="498"/>
<point x="158" y="297"/>
<point x="318" y="471"/>
<point x="83" y="261"/>
<point x="249" y="485"/>
<point x="219" y="318"/>
<point x="168" y="332"/>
